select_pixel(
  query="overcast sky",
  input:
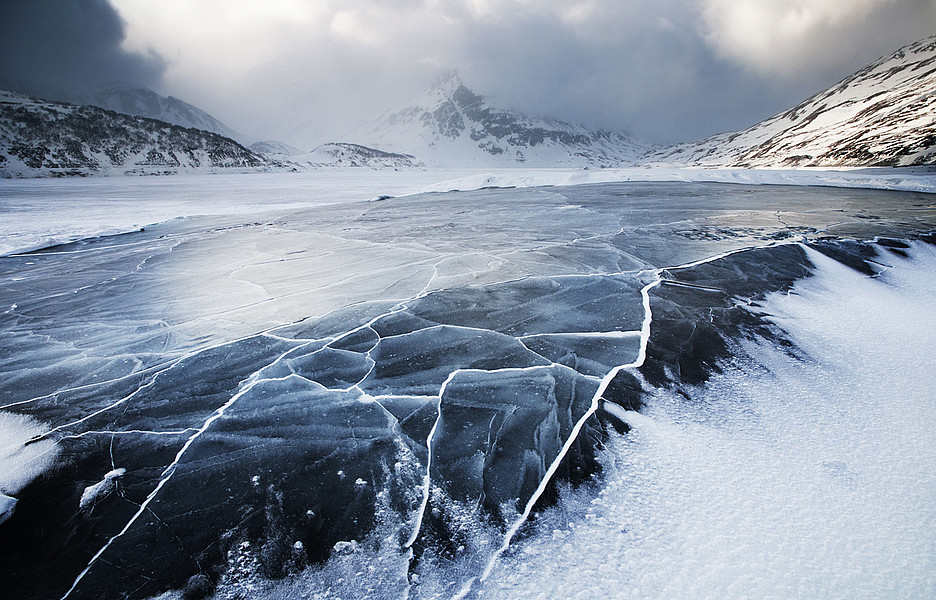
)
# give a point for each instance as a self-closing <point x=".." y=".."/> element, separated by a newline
<point x="307" y="71"/>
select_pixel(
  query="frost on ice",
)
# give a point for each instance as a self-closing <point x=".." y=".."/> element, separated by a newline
<point x="406" y="379"/>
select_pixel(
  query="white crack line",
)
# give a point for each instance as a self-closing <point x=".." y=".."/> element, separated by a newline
<point x="570" y="440"/>
<point x="475" y="582"/>
<point x="420" y="514"/>
<point x="167" y="474"/>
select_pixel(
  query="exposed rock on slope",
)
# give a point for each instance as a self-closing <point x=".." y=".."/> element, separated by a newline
<point x="41" y="138"/>
<point x="883" y="115"/>
<point x="451" y="125"/>
<point x="354" y="155"/>
<point x="335" y="154"/>
<point x="127" y="98"/>
<point x="274" y="149"/>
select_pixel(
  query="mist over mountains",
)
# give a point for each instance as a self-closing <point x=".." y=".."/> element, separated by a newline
<point x="882" y="115"/>
<point x="128" y="98"/>
<point x="450" y="124"/>
<point x="44" y="138"/>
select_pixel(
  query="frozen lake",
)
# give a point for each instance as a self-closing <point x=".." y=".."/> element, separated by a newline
<point x="222" y="402"/>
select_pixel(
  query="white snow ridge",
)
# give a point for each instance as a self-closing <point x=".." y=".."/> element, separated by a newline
<point x="20" y="462"/>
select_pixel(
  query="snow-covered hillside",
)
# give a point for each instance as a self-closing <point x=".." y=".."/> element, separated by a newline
<point x="142" y="102"/>
<point x="451" y="125"/>
<point x="129" y="99"/>
<point x="883" y="115"/>
<point x="274" y="148"/>
<point x="335" y="154"/>
<point x="42" y="138"/>
<point x="355" y="155"/>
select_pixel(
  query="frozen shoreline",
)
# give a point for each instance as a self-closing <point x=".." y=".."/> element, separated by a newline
<point x="882" y="178"/>
<point x="39" y="213"/>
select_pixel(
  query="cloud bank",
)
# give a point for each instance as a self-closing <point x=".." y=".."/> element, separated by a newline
<point x="307" y="71"/>
<point x="69" y="44"/>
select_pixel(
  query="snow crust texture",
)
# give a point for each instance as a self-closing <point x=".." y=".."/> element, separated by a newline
<point x="796" y="472"/>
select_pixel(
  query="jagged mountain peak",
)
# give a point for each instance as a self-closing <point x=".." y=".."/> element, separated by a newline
<point x="447" y="82"/>
<point x="341" y="154"/>
<point x="451" y="125"/>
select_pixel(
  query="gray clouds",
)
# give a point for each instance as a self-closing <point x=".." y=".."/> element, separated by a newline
<point x="69" y="43"/>
<point x="308" y="71"/>
<point x="675" y="70"/>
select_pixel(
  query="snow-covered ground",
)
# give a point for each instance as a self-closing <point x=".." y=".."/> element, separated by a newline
<point x="37" y="213"/>
<point x="916" y="180"/>
<point x="20" y="464"/>
<point x="808" y="477"/>
<point x="782" y="477"/>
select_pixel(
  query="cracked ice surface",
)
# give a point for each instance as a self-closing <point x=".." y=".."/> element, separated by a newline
<point x="409" y="375"/>
<point x="807" y="475"/>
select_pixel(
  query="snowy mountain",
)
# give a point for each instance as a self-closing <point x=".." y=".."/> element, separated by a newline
<point x="143" y="102"/>
<point x="274" y="148"/>
<point x="883" y="115"/>
<point x="41" y="138"/>
<point x="451" y="125"/>
<point x="335" y="154"/>
<point x="129" y="99"/>
<point x="354" y="155"/>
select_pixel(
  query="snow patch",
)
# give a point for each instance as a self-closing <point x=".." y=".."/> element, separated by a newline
<point x="100" y="489"/>
<point x="782" y="477"/>
<point x="20" y="461"/>
<point x="882" y="178"/>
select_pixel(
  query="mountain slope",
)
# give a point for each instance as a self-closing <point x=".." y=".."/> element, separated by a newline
<point x="274" y="148"/>
<point x="354" y="155"/>
<point x="451" y="125"/>
<point x="143" y="102"/>
<point x="883" y="115"/>
<point x="129" y="99"/>
<point x="39" y="137"/>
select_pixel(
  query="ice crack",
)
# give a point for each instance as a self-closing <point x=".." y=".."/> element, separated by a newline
<point x="473" y="585"/>
<point x="170" y="470"/>
<point x="570" y="440"/>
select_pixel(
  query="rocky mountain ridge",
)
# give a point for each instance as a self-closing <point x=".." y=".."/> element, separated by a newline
<point x="127" y="98"/>
<point x="452" y="126"/>
<point x="44" y="138"/>
<point x="341" y="154"/>
<point x="883" y="115"/>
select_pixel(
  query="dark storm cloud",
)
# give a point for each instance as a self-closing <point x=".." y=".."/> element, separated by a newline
<point x="61" y="44"/>
<point x="308" y="71"/>
<point x="678" y="70"/>
<point x="646" y="72"/>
